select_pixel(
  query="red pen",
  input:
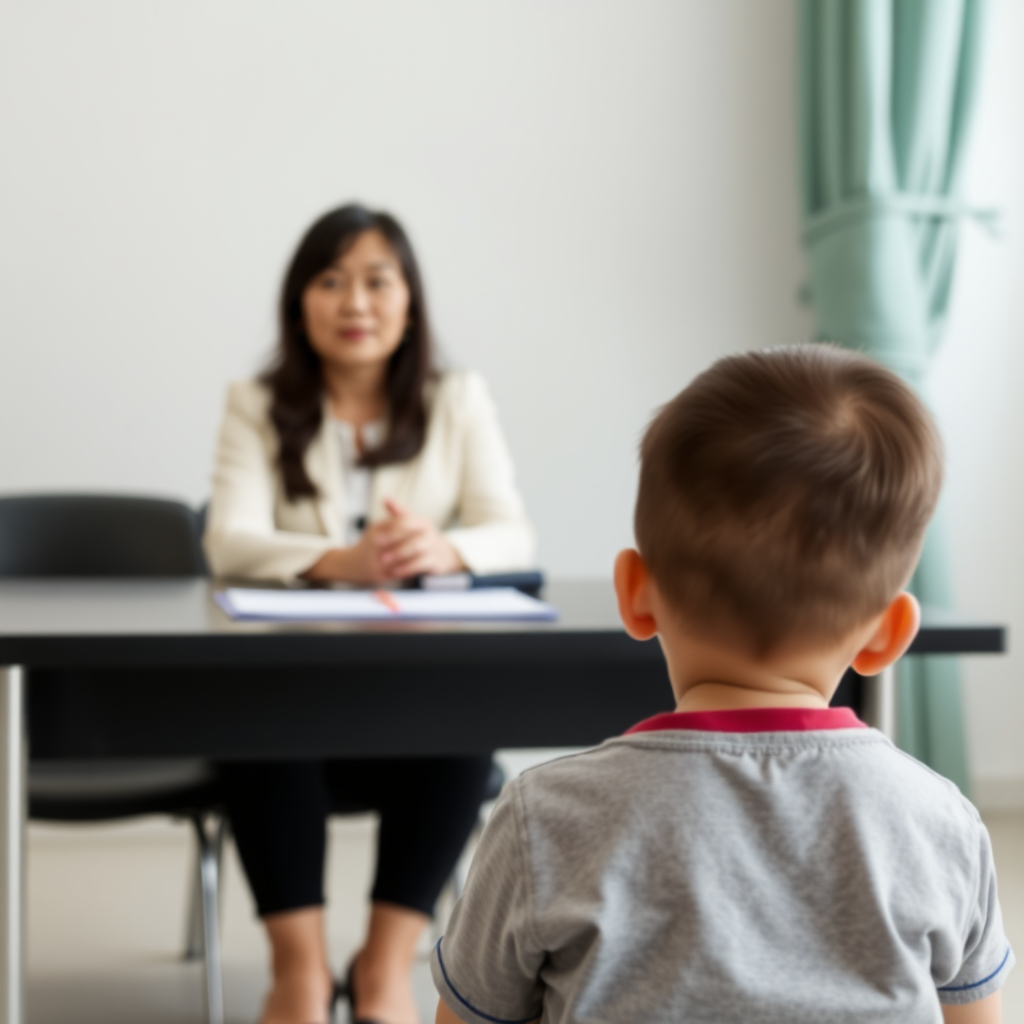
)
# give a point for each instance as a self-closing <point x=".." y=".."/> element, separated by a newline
<point x="388" y="601"/>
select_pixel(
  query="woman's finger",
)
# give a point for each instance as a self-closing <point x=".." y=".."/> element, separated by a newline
<point x="377" y="534"/>
<point x="418" y="565"/>
<point x="400" y="531"/>
<point x="411" y="547"/>
<point x="394" y="532"/>
<point x="395" y="508"/>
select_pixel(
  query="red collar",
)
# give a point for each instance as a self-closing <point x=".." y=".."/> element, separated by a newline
<point x="753" y="720"/>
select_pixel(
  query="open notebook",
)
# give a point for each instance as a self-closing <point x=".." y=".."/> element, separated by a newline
<point x="496" y="604"/>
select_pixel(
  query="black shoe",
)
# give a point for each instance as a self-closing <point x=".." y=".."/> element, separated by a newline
<point x="337" y="991"/>
<point x="347" y="989"/>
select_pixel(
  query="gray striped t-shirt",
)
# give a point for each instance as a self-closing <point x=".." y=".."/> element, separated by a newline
<point x="757" y="866"/>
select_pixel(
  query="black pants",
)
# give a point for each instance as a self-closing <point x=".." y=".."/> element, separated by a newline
<point x="278" y="813"/>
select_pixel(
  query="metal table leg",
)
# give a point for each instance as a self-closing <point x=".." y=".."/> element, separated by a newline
<point x="880" y="703"/>
<point x="13" y="774"/>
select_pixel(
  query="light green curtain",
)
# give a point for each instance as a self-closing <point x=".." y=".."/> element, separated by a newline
<point x="886" y="90"/>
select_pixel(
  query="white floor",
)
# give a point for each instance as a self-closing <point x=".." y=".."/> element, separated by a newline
<point x="106" y="922"/>
<point x="107" y="917"/>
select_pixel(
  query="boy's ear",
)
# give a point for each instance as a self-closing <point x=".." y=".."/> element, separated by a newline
<point x="633" y="589"/>
<point x="895" y="630"/>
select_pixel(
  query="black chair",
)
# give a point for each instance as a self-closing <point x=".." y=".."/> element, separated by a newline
<point x="113" y="536"/>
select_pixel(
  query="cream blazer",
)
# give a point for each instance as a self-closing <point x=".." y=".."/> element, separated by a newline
<point x="462" y="480"/>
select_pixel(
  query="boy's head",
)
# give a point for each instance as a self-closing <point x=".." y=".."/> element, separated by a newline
<point x="784" y="495"/>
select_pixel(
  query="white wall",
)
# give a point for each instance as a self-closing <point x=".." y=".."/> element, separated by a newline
<point x="602" y="193"/>
<point x="978" y="383"/>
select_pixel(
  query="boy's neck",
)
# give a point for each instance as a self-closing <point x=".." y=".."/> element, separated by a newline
<point x="710" y="674"/>
<point x="719" y="696"/>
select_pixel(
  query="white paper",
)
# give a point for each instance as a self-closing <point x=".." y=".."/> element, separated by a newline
<point x="497" y="604"/>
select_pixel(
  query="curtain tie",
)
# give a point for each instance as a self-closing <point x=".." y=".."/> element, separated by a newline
<point x="900" y="204"/>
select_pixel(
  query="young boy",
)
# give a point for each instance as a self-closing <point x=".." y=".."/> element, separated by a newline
<point x="755" y="856"/>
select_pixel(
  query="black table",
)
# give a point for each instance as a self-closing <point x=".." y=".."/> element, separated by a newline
<point x="155" y="669"/>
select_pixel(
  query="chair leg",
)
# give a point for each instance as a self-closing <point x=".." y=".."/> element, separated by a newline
<point x="210" y="844"/>
<point x="194" y="918"/>
<point x="194" y="948"/>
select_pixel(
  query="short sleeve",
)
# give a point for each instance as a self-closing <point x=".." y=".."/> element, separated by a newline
<point x="987" y="957"/>
<point x="486" y="966"/>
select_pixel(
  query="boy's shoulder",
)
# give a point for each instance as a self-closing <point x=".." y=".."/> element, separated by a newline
<point x="682" y="773"/>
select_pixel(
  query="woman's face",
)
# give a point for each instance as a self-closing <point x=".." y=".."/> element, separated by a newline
<point x="356" y="311"/>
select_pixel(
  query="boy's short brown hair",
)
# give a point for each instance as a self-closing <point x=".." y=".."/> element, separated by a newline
<point x="785" y="494"/>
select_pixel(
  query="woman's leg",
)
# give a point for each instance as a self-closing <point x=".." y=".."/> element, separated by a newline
<point x="381" y="982"/>
<point x="278" y="812"/>
<point x="428" y="807"/>
<point x="302" y="984"/>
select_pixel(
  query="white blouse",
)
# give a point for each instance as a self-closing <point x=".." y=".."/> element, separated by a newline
<point x="356" y="478"/>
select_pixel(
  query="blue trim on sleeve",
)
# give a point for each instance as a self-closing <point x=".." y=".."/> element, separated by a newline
<point x="469" y="1006"/>
<point x="950" y="988"/>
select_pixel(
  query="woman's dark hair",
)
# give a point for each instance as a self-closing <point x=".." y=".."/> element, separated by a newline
<point x="295" y="377"/>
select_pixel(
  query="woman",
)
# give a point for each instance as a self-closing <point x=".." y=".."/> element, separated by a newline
<point x="352" y="459"/>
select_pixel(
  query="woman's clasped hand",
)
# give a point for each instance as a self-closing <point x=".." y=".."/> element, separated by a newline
<point x="399" y="547"/>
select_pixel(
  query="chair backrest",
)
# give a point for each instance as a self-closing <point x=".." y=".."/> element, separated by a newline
<point x="98" y="535"/>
